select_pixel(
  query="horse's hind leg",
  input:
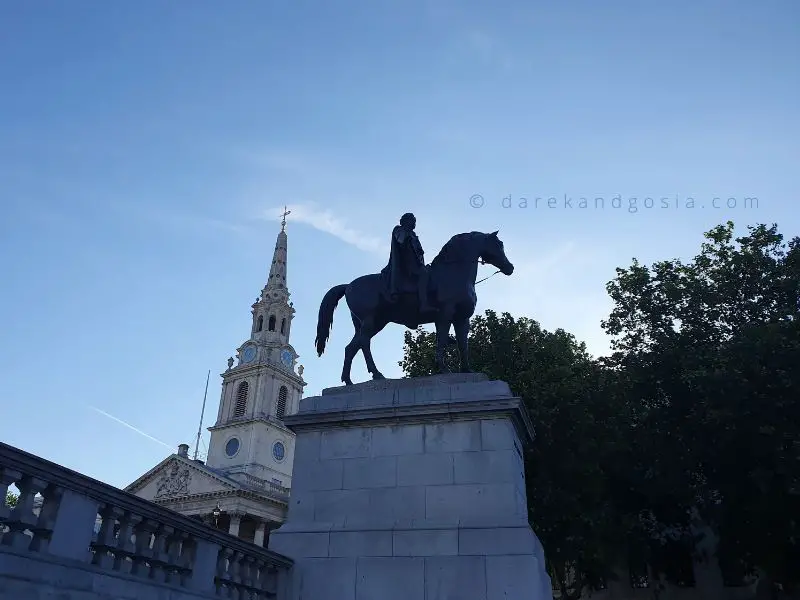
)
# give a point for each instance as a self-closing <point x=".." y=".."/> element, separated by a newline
<point x="350" y="352"/>
<point x="461" y="326"/>
<point x="369" y="330"/>
<point x="442" y="339"/>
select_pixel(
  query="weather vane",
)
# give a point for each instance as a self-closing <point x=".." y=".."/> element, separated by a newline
<point x="283" y="220"/>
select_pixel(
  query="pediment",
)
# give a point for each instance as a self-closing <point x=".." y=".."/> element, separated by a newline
<point x="176" y="477"/>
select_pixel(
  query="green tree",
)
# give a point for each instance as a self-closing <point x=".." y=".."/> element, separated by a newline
<point x="11" y="499"/>
<point x="709" y="349"/>
<point x="569" y="398"/>
<point x="731" y="284"/>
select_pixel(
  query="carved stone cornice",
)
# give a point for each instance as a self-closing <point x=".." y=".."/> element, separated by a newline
<point x="249" y="494"/>
<point x="429" y="399"/>
<point x="264" y="418"/>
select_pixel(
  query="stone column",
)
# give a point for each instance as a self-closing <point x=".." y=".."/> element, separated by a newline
<point x="236" y="520"/>
<point x="412" y="488"/>
<point x="259" y="537"/>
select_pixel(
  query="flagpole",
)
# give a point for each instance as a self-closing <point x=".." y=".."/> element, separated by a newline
<point x="202" y="414"/>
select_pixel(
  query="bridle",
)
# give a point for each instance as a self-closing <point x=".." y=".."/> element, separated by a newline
<point x="480" y="262"/>
<point x="483" y="262"/>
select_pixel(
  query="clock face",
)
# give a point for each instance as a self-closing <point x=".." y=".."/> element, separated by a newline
<point x="249" y="354"/>
<point x="286" y="357"/>
<point x="278" y="451"/>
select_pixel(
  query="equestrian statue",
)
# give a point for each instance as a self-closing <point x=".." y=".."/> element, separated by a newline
<point x="409" y="292"/>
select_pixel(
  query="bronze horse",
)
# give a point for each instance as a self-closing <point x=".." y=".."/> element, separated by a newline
<point x="451" y="289"/>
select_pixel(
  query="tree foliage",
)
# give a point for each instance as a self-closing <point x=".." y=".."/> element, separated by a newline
<point x="711" y="350"/>
<point x="694" y="418"/>
<point x="11" y="499"/>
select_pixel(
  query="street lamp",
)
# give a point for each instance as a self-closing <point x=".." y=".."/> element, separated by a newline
<point x="216" y="513"/>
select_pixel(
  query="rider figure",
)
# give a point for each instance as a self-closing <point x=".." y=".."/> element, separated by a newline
<point x="407" y="258"/>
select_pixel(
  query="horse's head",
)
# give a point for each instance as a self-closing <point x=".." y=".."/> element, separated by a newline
<point x="494" y="253"/>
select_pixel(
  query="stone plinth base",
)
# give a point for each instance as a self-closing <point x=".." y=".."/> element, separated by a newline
<point x="412" y="489"/>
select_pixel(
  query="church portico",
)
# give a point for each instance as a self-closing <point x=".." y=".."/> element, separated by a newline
<point x="254" y="528"/>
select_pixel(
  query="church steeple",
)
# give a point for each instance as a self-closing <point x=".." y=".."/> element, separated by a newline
<point x="266" y="384"/>
<point x="276" y="282"/>
<point x="272" y="311"/>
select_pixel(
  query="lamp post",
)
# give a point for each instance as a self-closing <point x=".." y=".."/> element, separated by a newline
<point x="216" y="513"/>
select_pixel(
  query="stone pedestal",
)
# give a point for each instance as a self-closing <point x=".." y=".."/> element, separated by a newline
<point x="412" y="489"/>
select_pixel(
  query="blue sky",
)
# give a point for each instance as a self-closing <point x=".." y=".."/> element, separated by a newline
<point x="146" y="147"/>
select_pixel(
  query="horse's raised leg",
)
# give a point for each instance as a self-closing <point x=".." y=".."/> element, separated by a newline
<point x="369" y="330"/>
<point x="442" y="341"/>
<point x="461" y="327"/>
<point x="350" y="352"/>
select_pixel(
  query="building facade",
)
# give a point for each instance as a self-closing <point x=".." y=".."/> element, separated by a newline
<point x="243" y="485"/>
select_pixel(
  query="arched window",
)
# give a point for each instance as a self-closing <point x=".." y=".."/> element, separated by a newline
<point x="241" y="399"/>
<point x="272" y="323"/>
<point x="260" y="325"/>
<point x="283" y="326"/>
<point x="280" y="406"/>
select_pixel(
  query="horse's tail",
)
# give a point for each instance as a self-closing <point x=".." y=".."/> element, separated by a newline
<point x="325" y="320"/>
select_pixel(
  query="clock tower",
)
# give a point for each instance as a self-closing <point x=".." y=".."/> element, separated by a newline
<point x="249" y="442"/>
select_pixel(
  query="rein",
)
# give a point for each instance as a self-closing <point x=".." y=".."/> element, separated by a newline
<point x="480" y="262"/>
<point x="489" y="276"/>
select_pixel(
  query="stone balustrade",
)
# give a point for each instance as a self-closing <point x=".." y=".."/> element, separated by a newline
<point x="275" y="490"/>
<point x="54" y="523"/>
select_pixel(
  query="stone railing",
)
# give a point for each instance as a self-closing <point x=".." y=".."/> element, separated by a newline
<point x="273" y="488"/>
<point x="137" y="540"/>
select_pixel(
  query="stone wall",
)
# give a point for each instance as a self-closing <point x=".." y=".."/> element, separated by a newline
<point x="52" y="549"/>
<point x="412" y="489"/>
<point x="27" y="576"/>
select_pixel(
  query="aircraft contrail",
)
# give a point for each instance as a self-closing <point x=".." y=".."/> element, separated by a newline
<point x="129" y="426"/>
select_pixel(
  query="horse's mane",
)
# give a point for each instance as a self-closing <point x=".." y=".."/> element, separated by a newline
<point x="452" y="250"/>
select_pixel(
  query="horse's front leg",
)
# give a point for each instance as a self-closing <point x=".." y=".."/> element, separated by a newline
<point x="351" y="350"/>
<point x="369" y="330"/>
<point x="442" y="341"/>
<point x="461" y="327"/>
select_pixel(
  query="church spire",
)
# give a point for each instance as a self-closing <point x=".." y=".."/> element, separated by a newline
<point x="272" y="311"/>
<point x="276" y="283"/>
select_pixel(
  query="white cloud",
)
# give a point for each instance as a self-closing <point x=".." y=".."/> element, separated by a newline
<point x="325" y="220"/>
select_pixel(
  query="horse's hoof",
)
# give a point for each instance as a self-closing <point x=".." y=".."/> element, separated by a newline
<point x="347" y="381"/>
<point x="376" y="376"/>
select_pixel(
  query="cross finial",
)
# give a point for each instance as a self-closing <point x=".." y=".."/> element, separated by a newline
<point x="283" y="220"/>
